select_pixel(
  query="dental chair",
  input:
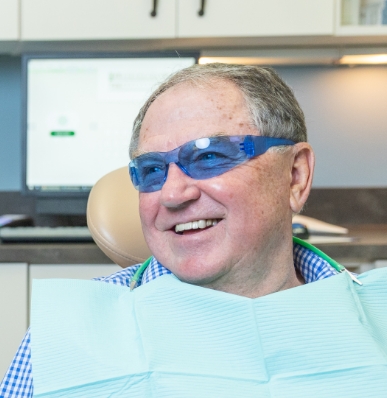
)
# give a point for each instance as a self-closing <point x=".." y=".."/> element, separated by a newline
<point x="114" y="221"/>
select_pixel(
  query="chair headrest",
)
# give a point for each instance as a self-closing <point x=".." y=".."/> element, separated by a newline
<point x="114" y="221"/>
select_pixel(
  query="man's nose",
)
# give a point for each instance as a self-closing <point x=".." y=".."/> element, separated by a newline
<point x="179" y="189"/>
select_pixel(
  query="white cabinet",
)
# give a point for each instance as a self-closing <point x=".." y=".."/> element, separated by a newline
<point x="13" y="310"/>
<point x="9" y="20"/>
<point x="96" y="19"/>
<point x="235" y="18"/>
<point x="131" y="19"/>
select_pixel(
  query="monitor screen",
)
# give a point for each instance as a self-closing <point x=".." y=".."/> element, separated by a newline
<point x="79" y="113"/>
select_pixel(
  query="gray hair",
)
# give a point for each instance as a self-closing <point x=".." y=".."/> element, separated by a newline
<point x="273" y="107"/>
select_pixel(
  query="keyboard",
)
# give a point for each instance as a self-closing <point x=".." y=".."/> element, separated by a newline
<point x="45" y="234"/>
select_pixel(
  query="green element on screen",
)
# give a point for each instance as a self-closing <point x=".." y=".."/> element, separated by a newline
<point x="62" y="133"/>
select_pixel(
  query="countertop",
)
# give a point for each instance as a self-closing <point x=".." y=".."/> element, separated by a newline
<point x="369" y="244"/>
<point x="53" y="253"/>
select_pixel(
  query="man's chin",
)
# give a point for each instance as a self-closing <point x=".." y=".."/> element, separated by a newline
<point x="199" y="276"/>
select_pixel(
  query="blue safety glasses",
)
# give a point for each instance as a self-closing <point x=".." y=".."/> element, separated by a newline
<point x="199" y="159"/>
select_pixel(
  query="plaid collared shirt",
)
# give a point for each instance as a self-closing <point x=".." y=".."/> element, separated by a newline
<point x="18" y="380"/>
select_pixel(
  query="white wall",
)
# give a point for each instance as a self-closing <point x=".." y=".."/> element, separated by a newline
<point x="346" y="115"/>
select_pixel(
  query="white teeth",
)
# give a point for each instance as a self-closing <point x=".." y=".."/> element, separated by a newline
<point x="202" y="224"/>
<point x="195" y="225"/>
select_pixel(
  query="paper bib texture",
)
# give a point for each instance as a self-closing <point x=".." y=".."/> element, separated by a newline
<point x="169" y="339"/>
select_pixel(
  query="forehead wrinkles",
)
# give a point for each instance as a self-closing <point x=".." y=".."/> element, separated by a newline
<point x="213" y="109"/>
<point x="226" y="97"/>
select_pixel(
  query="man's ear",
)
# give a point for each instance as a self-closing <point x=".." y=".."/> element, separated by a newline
<point x="301" y="175"/>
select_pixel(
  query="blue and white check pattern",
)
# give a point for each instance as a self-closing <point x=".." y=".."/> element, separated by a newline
<point x="18" y="381"/>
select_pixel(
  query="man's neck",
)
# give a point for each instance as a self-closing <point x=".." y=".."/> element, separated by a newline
<point x="263" y="277"/>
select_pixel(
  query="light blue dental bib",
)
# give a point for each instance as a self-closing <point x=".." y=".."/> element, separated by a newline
<point x="169" y="339"/>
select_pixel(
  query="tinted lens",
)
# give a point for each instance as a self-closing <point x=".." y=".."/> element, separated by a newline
<point x="200" y="159"/>
<point x="150" y="171"/>
<point x="210" y="157"/>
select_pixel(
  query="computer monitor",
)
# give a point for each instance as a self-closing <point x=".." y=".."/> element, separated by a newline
<point x="79" y="111"/>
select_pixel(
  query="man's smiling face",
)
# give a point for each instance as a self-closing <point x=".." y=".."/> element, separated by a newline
<point x="246" y="210"/>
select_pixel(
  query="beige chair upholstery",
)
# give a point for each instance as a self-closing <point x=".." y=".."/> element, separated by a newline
<point x="114" y="221"/>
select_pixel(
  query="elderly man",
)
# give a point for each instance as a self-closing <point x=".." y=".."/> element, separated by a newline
<point x="220" y="159"/>
<point x="247" y="249"/>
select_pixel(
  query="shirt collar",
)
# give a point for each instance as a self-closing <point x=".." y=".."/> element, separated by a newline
<point x="311" y="266"/>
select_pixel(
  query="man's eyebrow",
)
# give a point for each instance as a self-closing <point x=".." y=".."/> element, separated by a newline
<point x="138" y="152"/>
<point x="220" y="134"/>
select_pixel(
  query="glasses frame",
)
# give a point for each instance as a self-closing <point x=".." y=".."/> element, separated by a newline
<point x="252" y="145"/>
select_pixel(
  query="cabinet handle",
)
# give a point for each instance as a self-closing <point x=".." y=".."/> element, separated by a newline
<point x="154" y="11"/>
<point x="202" y="7"/>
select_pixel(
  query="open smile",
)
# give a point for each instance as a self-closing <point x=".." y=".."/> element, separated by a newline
<point x="195" y="226"/>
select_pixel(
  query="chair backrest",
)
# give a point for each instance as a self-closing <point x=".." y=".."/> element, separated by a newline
<point x="114" y="221"/>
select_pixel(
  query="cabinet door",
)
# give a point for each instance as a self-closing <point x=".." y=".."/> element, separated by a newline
<point x="13" y="311"/>
<point x="9" y="20"/>
<point x="234" y="18"/>
<point x="96" y="19"/>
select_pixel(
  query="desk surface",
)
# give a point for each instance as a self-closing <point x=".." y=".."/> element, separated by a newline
<point x="53" y="253"/>
<point x="370" y="244"/>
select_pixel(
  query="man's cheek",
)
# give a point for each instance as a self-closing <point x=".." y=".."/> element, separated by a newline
<point x="147" y="206"/>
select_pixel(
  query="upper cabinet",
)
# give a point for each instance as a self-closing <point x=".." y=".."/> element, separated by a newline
<point x="87" y="20"/>
<point x="133" y="19"/>
<point x="9" y="20"/>
<point x="238" y="18"/>
<point x="362" y="17"/>
<point x="96" y="19"/>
